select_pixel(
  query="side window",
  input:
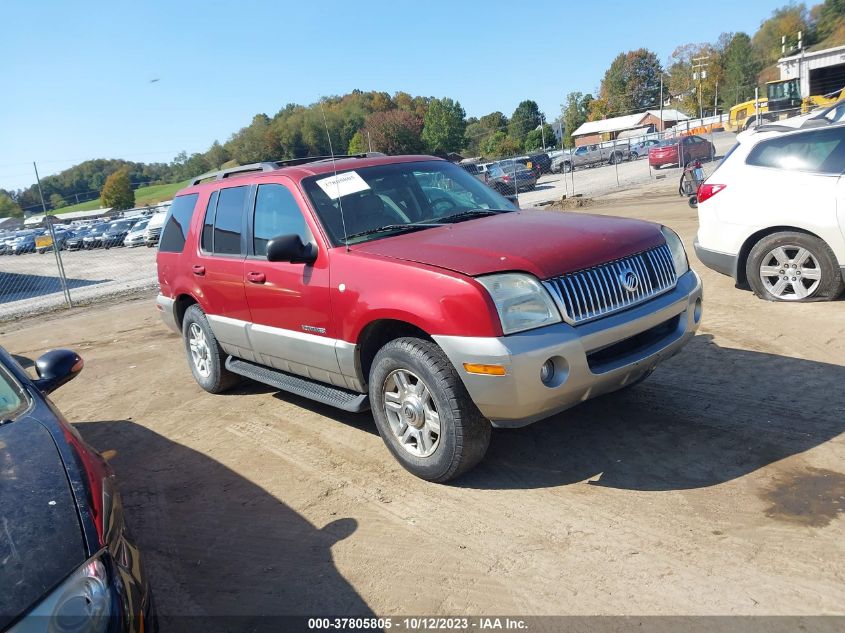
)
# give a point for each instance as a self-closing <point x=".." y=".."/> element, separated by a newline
<point x="819" y="151"/>
<point x="276" y="213"/>
<point x="175" y="230"/>
<point x="207" y="239"/>
<point x="228" y="221"/>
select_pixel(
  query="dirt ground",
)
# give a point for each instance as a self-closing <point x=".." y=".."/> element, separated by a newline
<point x="716" y="487"/>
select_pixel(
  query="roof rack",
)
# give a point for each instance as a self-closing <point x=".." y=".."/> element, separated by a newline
<point x="274" y="165"/>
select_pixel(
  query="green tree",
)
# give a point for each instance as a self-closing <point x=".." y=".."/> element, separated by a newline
<point x="632" y="83"/>
<point x="499" y="145"/>
<point x="534" y="139"/>
<point x="216" y="155"/>
<point x="444" y="126"/>
<point x="117" y="191"/>
<point x="525" y="118"/>
<point x="357" y="144"/>
<point x="477" y="132"/>
<point x="740" y="70"/>
<point x="575" y="114"/>
<point x="56" y="201"/>
<point x="8" y="207"/>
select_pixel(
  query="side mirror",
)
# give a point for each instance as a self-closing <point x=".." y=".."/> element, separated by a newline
<point x="289" y="248"/>
<point x="57" y="367"/>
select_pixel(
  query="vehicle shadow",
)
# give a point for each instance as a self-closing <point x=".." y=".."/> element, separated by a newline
<point x="705" y="417"/>
<point x="221" y="552"/>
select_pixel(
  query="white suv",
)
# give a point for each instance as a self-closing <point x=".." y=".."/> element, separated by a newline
<point x="772" y="216"/>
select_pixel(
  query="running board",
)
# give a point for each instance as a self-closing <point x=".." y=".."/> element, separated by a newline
<point x="351" y="401"/>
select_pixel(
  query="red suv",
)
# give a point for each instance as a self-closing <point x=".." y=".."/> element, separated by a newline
<point x="680" y="151"/>
<point x="405" y="285"/>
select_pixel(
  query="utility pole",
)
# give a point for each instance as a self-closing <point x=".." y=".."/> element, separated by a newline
<point x="49" y="222"/>
<point x="543" y="131"/>
<point x="661" y="104"/>
<point x="699" y="73"/>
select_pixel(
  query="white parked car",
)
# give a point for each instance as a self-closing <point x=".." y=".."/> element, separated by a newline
<point x="772" y="215"/>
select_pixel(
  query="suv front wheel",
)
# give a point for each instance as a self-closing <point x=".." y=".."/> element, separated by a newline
<point x="423" y="411"/>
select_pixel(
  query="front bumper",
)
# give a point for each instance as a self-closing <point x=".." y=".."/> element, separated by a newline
<point x="591" y="359"/>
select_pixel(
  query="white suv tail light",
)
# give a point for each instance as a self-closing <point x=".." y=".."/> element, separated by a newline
<point x="706" y="191"/>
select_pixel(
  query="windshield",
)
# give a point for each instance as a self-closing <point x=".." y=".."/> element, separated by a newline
<point x="12" y="398"/>
<point x="401" y="196"/>
<point x="783" y="90"/>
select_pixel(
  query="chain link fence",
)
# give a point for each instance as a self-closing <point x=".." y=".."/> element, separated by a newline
<point x="592" y="169"/>
<point x="53" y="266"/>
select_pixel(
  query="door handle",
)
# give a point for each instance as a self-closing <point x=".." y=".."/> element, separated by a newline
<point x="198" y="270"/>
<point x="256" y="278"/>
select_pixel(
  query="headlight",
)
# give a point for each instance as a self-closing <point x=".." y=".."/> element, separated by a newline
<point x="521" y="300"/>
<point x="81" y="604"/>
<point x="676" y="246"/>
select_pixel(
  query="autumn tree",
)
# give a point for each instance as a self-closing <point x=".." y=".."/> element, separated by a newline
<point x="829" y="21"/>
<point x="395" y="132"/>
<point x="117" y="192"/>
<point x="357" y="144"/>
<point x="786" y="21"/>
<point x="444" y="125"/>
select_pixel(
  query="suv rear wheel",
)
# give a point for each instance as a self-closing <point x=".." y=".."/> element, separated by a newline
<point x="205" y="356"/>
<point x="423" y="411"/>
<point x="791" y="266"/>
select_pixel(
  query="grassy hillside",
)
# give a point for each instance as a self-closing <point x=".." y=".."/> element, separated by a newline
<point x="143" y="196"/>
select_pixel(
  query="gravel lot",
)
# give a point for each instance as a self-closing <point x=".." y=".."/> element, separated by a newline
<point x="715" y="487"/>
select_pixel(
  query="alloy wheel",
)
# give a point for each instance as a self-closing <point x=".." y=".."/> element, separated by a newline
<point x="200" y="353"/>
<point x="790" y="273"/>
<point x="411" y="413"/>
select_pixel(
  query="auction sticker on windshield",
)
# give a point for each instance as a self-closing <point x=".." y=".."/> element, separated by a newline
<point x="343" y="184"/>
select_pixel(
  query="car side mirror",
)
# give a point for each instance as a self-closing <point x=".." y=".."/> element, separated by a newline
<point x="289" y="248"/>
<point x="57" y="367"/>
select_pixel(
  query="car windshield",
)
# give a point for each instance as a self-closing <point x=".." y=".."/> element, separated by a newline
<point x="387" y="199"/>
<point x="12" y="398"/>
<point x="115" y="227"/>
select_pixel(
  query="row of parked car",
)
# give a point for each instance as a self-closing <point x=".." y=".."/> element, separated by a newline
<point x="129" y="232"/>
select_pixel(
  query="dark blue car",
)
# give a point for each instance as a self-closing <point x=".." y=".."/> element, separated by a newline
<point x="66" y="560"/>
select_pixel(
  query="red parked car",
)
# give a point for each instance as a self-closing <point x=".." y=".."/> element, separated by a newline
<point x="680" y="151"/>
<point x="404" y="285"/>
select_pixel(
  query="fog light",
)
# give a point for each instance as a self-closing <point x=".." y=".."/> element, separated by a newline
<point x="696" y="314"/>
<point x="547" y="371"/>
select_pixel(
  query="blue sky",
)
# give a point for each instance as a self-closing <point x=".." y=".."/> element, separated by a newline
<point x="76" y="75"/>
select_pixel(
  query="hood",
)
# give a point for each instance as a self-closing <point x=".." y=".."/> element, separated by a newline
<point x="543" y="243"/>
<point x="40" y="535"/>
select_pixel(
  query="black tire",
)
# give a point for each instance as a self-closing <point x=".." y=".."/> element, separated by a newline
<point x="219" y="378"/>
<point x="464" y="432"/>
<point x="567" y="167"/>
<point x="830" y="284"/>
<point x="693" y="202"/>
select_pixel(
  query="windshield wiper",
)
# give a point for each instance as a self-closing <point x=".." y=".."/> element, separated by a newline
<point x="472" y="213"/>
<point x="393" y="227"/>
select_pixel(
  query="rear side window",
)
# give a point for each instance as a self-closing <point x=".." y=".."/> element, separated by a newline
<point x="817" y="151"/>
<point x="178" y="221"/>
<point x="228" y="221"/>
<point x="276" y="213"/>
<point x="207" y="239"/>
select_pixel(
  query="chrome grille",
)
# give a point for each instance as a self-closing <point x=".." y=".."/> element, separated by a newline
<point x="596" y="292"/>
